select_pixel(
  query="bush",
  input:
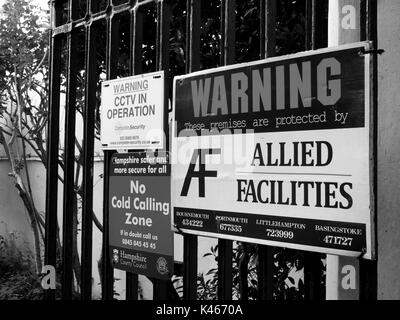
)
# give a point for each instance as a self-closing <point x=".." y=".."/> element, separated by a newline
<point x="18" y="279"/>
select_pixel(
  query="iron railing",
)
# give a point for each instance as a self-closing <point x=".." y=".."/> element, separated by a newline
<point x="68" y="23"/>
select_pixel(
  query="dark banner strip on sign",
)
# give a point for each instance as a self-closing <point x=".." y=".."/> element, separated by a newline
<point x="324" y="91"/>
<point x="138" y="164"/>
<point x="319" y="233"/>
<point x="146" y="263"/>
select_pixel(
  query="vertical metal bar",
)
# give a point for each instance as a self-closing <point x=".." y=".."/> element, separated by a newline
<point x="69" y="192"/>
<point x="88" y="148"/>
<point x="136" y="22"/>
<point x="263" y="19"/>
<point x="190" y="267"/>
<point x="228" y="32"/>
<point x="188" y="35"/>
<point x="373" y="36"/>
<point x="371" y="20"/>
<point x="194" y="14"/>
<point x="158" y="34"/>
<point x="132" y="284"/>
<point x="312" y="276"/>
<point x="314" y="40"/>
<point x="92" y="6"/>
<point x="267" y="31"/>
<point x="190" y="245"/>
<point x="131" y="41"/>
<point x="227" y="57"/>
<point x="224" y="269"/>
<point x="265" y="270"/>
<point x="317" y="35"/>
<point x="136" y="27"/>
<point x="113" y="40"/>
<point x="52" y="144"/>
<point x="136" y="46"/>
<point x="312" y="266"/>
<point x="363" y="20"/>
<point x="160" y="287"/>
<point x="313" y="24"/>
<point x="107" y="274"/>
<point x="309" y="24"/>
<point x="243" y="275"/>
<point x="162" y="63"/>
<point x="107" y="280"/>
<point x="368" y="268"/>
<point x="163" y="31"/>
<point x="164" y="290"/>
<point x="223" y="33"/>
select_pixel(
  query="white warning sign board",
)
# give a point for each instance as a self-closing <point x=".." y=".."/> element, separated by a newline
<point x="132" y="112"/>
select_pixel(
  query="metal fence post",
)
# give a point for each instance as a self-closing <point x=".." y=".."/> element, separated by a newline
<point x="265" y="270"/>
<point x="52" y="143"/>
<point x="69" y="192"/>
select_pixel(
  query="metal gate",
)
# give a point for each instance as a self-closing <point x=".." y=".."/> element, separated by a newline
<point x="77" y="29"/>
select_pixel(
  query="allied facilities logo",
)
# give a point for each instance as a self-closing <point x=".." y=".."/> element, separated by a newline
<point x="115" y="256"/>
<point x="162" y="266"/>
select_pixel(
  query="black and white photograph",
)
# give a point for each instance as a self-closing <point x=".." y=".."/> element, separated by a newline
<point x="199" y="158"/>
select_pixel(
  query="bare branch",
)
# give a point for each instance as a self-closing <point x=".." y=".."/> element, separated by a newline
<point x="41" y="62"/>
<point x="97" y="222"/>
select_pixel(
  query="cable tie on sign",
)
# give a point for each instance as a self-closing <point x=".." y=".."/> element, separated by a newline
<point x="374" y="51"/>
<point x="363" y="252"/>
<point x="179" y="229"/>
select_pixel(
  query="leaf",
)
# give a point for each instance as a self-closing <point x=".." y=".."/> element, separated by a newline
<point x="211" y="271"/>
<point x="291" y="280"/>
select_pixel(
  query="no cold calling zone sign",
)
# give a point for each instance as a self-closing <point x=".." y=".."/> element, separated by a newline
<point x="141" y="240"/>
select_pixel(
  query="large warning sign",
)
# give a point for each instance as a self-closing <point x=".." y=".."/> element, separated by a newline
<point x="141" y="240"/>
<point x="132" y="112"/>
<point x="277" y="152"/>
